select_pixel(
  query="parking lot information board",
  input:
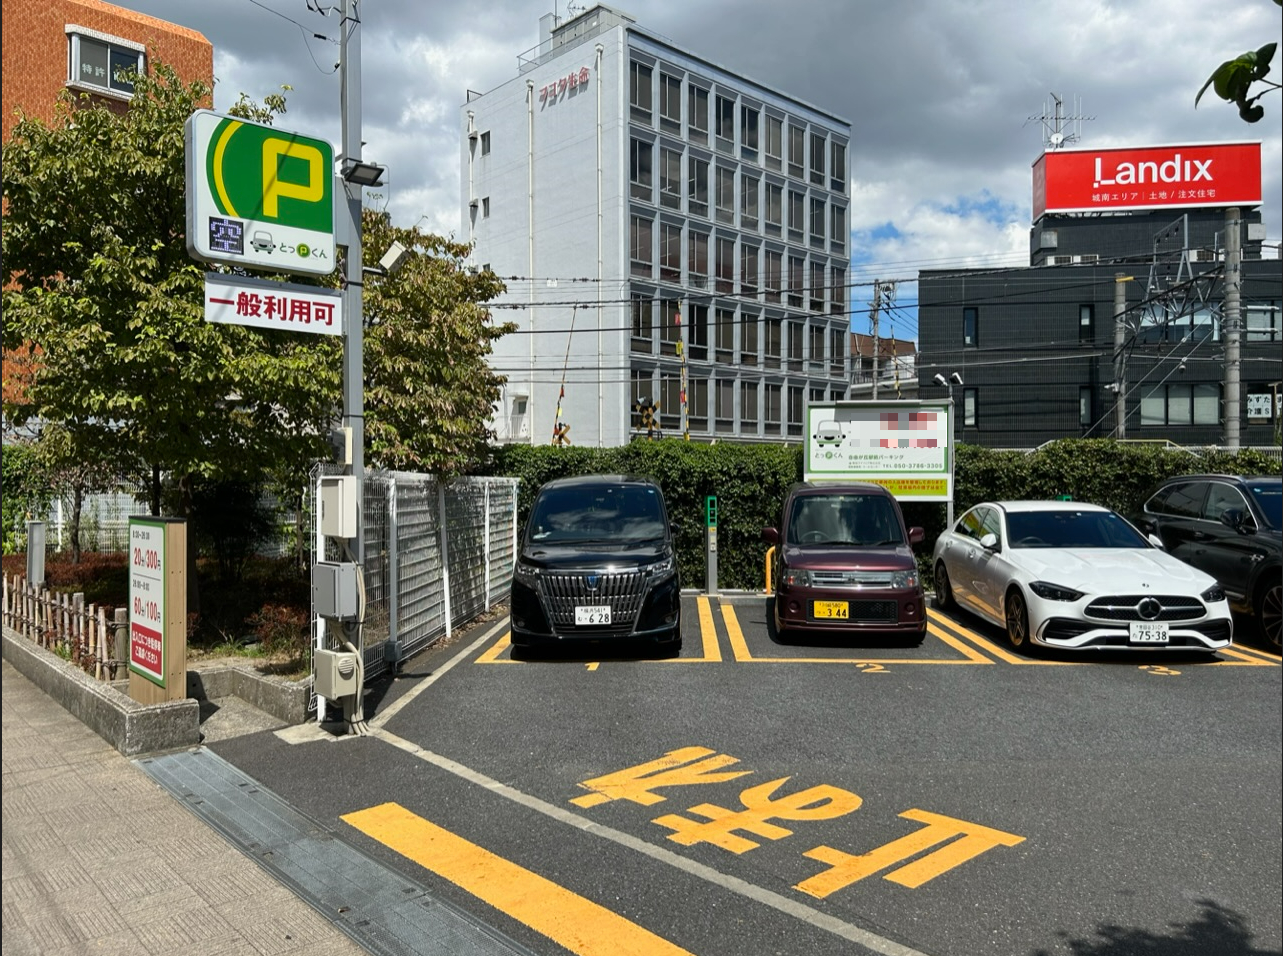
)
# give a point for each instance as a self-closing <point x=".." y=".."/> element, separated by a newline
<point x="903" y="446"/>
<point x="258" y="196"/>
<point x="241" y="300"/>
<point x="157" y="609"/>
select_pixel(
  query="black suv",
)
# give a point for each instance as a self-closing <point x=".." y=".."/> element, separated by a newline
<point x="596" y="561"/>
<point x="1228" y="526"/>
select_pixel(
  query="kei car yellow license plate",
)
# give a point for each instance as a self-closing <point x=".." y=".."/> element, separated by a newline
<point x="831" y="610"/>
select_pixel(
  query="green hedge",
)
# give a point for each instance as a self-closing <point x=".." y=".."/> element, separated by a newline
<point x="750" y="482"/>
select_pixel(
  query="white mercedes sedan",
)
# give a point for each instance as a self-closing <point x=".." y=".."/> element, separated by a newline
<point x="1074" y="575"/>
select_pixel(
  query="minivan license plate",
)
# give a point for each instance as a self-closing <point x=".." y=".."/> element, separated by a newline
<point x="592" y="614"/>
<point x="1147" y="632"/>
<point x="832" y="610"/>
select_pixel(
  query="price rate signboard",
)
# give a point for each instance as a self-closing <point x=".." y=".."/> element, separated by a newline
<point x="157" y="609"/>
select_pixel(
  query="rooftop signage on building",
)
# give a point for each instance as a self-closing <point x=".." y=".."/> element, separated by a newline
<point x="553" y="92"/>
<point x="1147" y="177"/>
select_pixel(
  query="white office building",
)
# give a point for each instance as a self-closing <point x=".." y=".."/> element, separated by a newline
<point x="668" y="231"/>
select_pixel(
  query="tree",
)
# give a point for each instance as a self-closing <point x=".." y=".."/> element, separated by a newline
<point x="1233" y="79"/>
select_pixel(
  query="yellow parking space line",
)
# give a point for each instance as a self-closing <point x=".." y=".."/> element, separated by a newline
<point x="989" y="647"/>
<point x="566" y="918"/>
<point x="1248" y="655"/>
<point x="963" y="648"/>
<point x="708" y="630"/>
<point x="739" y="647"/>
<point x="492" y="656"/>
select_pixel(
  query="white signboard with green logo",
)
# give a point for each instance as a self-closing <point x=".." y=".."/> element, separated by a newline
<point x="905" y="446"/>
<point x="258" y="197"/>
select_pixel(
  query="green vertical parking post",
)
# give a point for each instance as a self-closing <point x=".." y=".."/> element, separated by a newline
<point x="710" y="542"/>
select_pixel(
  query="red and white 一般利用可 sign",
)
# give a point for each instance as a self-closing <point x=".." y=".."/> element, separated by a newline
<point x="239" y="300"/>
<point x="1147" y="177"/>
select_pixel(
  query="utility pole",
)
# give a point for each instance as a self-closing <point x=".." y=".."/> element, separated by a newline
<point x="1230" y="326"/>
<point x="873" y="319"/>
<point x="1120" y="338"/>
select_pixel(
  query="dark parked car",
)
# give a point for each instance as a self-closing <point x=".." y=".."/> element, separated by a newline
<point x="596" y="562"/>
<point x="1230" y="527"/>
<point x="844" y="562"/>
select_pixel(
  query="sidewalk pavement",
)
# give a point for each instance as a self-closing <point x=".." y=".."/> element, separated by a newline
<point x="97" y="858"/>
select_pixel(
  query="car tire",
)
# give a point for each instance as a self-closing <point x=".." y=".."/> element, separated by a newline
<point x="1017" y="615"/>
<point x="1268" y="607"/>
<point x="943" y="590"/>
<point x="781" y="634"/>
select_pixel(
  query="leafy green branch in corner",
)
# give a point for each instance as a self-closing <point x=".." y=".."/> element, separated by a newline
<point x="1233" y="79"/>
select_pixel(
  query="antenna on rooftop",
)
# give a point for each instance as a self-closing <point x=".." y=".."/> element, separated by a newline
<point x="1055" y="131"/>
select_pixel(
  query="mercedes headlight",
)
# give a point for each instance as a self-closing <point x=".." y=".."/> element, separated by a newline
<point x="1214" y="594"/>
<point x="1054" y="592"/>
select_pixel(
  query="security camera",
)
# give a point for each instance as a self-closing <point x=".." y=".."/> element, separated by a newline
<point x="941" y="381"/>
<point x="957" y="379"/>
<point x="1181" y="367"/>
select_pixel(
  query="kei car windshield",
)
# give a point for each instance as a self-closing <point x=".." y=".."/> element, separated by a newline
<point x="844" y="519"/>
<point x="1071" y="529"/>
<point x="1269" y="496"/>
<point x="617" y="513"/>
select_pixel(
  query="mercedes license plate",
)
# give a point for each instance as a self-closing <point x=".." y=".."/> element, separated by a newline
<point x="586" y="616"/>
<point x="1147" y="632"/>
<point x="832" y="610"/>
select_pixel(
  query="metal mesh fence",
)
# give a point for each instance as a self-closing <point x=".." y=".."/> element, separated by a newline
<point x="436" y="555"/>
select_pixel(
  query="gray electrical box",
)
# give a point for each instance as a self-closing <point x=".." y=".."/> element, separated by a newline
<point x="336" y="674"/>
<point x="338" y="506"/>
<point x="334" y="589"/>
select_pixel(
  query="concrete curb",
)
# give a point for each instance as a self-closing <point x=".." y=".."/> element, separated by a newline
<point x="132" y="728"/>
<point x="282" y="699"/>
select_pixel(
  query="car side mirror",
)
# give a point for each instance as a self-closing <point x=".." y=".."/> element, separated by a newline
<point x="770" y="536"/>
<point x="1235" y="520"/>
<point x="1157" y="542"/>
<point x="990" y="542"/>
<point x="917" y="535"/>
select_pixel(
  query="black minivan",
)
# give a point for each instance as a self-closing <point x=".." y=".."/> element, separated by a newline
<point x="596" y="561"/>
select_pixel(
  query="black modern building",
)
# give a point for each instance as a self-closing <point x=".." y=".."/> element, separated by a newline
<point x="1035" y="346"/>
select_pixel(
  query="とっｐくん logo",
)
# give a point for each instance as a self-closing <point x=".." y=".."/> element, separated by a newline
<point x="266" y="175"/>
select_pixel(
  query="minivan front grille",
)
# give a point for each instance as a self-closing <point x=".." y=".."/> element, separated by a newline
<point x="851" y="579"/>
<point x="622" y="591"/>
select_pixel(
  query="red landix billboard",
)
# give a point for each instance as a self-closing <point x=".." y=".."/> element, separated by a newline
<point x="1147" y="177"/>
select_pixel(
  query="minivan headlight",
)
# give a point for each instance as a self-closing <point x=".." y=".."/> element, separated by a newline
<point x="795" y="578"/>
<point x="904" y="579"/>
<point x="662" y="567"/>
<point x="525" y="574"/>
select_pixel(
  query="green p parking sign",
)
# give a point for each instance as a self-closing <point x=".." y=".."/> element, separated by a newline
<point x="258" y="196"/>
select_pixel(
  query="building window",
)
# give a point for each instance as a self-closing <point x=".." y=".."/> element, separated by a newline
<point x="774" y="142"/>
<point x="797" y="151"/>
<point x="772" y="410"/>
<point x="639" y="92"/>
<point x="1181" y="405"/>
<point x="725" y="343"/>
<point x="697" y="404"/>
<point x="697" y="332"/>
<point x="748" y="269"/>
<point x="774" y="214"/>
<point x="773" y="275"/>
<point x="837" y="175"/>
<point x="670" y="330"/>
<point x="817" y="222"/>
<point x="670" y="252"/>
<point x="697" y="261"/>
<point x="797" y="213"/>
<point x="1084" y="406"/>
<point x="748" y="407"/>
<point x="642" y="323"/>
<point x="725" y="405"/>
<point x="838" y="235"/>
<point x="725" y="265"/>
<point x="670" y="401"/>
<point x="1194" y="327"/>
<point x="641" y="236"/>
<point x="724" y="198"/>
<point x="643" y="389"/>
<point x="1086" y="323"/>
<point x="485" y="143"/>
<point x="748" y="339"/>
<point x="485" y="207"/>
<point x="697" y="198"/>
<point x="970" y="399"/>
<point x="815" y="360"/>
<point x="748" y="202"/>
<point x="697" y="121"/>
<point x="970" y="326"/>
<point x="796" y="405"/>
<point x="640" y="177"/>
<point x="101" y="62"/>
<point x="797" y="336"/>
<point x="837" y="290"/>
<point x="797" y="270"/>
<point x="748" y="133"/>
<point x="817" y="158"/>
<point x="773" y="343"/>
<point x="725" y="119"/>
<point x="817" y="286"/>
<point x="670" y="178"/>
<point x="1261" y="323"/>
<point x="838" y="349"/>
<point x="670" y="103"/>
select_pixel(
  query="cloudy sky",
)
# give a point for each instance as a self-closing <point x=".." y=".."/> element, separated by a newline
<point x="942" y="95"/>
